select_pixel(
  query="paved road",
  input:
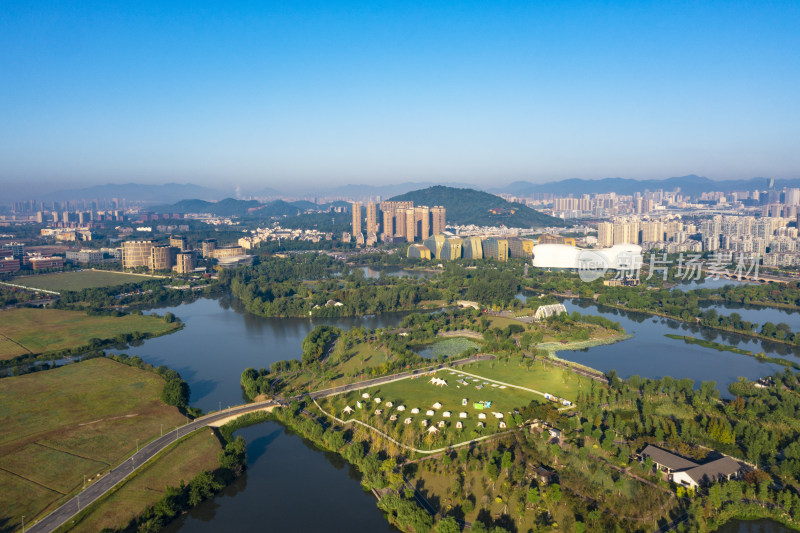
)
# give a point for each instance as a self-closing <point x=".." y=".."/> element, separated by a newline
<point x="108" y="481"/>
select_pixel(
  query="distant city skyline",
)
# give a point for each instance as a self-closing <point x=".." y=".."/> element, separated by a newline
<point x="293" y="96"/>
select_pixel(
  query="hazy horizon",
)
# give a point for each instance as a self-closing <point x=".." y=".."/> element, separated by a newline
<point x="325" y="94"/>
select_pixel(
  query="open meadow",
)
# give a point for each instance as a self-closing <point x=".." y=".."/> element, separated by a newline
<point x="183" y="461"/>
<point x="32" y="330"/>
<point x="420" y="393"/>
<point x="75" y="420"/>
<point x="536" y="375"/>
<point x="79" y="280"/>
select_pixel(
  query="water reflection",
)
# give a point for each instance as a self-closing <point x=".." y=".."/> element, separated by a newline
<point x="220" y="339"/>
<point x="649" y="353"/>
<point x="753" y="526"/>
<point x="288" y="486"/>
<point x="375" y="273"/>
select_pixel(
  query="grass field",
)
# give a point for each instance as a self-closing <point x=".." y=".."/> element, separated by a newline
<point x="77" y="281"/>
<point x="450" y="347"/>
<point x="78" y="419"/>
<point x="539" y="376"/>
<point x="422" y="394"/>
<point x="182" y="462"/>
<point x="29" y="330"/>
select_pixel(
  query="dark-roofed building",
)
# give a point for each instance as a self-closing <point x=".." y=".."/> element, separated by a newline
<point x="722" y="469"/>
<point x="666" y="461"/>
<point x="688" y="473"/>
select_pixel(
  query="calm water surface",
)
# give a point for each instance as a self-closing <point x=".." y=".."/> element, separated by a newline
<point x="220" y="340"/>
<point x="753" y="526"/>
<point x="650" y="354"/>
<point x="289" y="486"/>
<point x="375" y="273"/>
<point x="286" y="477"/>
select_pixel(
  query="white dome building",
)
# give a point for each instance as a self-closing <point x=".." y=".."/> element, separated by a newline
<point x="619" y="256"/>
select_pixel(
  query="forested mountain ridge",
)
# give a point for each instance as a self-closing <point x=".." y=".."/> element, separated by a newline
<point x="468" y="206"/>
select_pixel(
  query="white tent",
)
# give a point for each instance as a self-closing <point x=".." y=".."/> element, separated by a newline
<point x="415" y="411"/>
<point x="464" y="401"/>
<point x="462" y="414"/>
<point x="377" y="400"/>
<point x="424" y="423"/>
<point x="502" y="425"/>
<point x="365" y="395"/>
<point x="393" y="418"/>
<point x="441" y="423"/>
<point x="347" y="410"/>
<point x="378" y="411"/>
<point x="389" y="404"/>
<point x="497" y="415"/>
<point x="401" y="408"/>
<point x="407" y="421"/>
<point x="432" y="430"/>
<point x="437" y="405"/>
<point x="446" y="414"/>
<point x="480" y="424"/>
<point x="429" y="412"/>
<point x="459" y="425"/>
<point x="482" y="416"/>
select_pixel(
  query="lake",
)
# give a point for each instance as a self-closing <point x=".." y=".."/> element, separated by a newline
<point x="375" y="273"/>
<point x="220" y="340"/>
<point x="650" y="354"/>
<point x="289" y="485"/>
<point x="287" y="476"/>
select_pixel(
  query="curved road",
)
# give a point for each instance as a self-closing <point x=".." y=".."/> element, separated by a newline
<point x="147" y="452"/>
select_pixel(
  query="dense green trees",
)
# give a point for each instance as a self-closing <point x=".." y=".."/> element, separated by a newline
<point x="317" y="342"/>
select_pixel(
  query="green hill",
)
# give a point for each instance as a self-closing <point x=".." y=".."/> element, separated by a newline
<point x="468" y="206"/>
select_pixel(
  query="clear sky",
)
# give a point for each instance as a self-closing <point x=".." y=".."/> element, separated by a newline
<point x="305" y="93"/>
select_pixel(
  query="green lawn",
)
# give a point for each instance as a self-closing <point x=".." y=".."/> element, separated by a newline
<point x="29" y="330"/>
<point x="539" y="376"/>
<point x="450" y="347"/>
<point x="76" y="281"/>
<point x="78" y="419"/>
<point x="422" y="394"/>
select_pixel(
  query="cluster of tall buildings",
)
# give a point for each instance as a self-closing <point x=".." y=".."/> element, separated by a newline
<point x="84" y="204"/>
<point x="635" y="230"/>
<point x="395" y="221"/>
<point x="153" y="256"/>
<point x="771" y="238"/>
<point x="612" y="204"/>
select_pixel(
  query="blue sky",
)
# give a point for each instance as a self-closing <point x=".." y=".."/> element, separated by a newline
<point x="306" y="93"/>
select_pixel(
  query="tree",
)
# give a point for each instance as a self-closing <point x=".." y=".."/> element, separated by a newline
<point x="175" y="392"/>
<point x="447" y="525"/>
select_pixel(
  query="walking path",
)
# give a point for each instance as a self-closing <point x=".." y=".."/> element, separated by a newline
<point x="411" y="448"/>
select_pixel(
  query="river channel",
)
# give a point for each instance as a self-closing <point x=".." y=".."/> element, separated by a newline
<point x="286" y="476"/>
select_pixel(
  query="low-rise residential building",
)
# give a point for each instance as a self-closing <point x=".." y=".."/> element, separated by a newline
<point x="689" y="473"/>
<point x="84" y="256"/>
<point x="9" y="265"/>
